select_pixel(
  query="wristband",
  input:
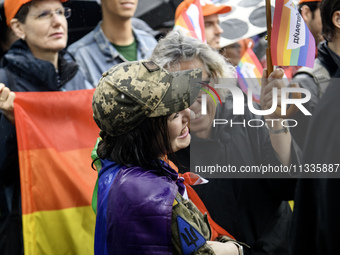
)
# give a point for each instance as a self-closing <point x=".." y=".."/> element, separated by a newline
<point x="276" y="131"/>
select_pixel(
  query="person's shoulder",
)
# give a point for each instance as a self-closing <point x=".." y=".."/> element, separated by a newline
<point x="138" y="185"/>
<point x="129" y="175"/>
<point x="139" y="177"/>
<point x="329" y="101"/>
<point x="141" y="34"/>
<point x="82" y="43"/>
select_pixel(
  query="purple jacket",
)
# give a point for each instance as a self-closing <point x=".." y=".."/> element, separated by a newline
<point x="139" y="210"/>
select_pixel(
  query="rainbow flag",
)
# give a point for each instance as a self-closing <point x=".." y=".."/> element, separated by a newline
<point x="191" y="22"/>
<point x="292" y="44"/>
<point x="56" y="133"/>
<point x="249" y="73"/>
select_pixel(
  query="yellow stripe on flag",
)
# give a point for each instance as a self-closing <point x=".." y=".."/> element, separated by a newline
<point x="66" y="229"/>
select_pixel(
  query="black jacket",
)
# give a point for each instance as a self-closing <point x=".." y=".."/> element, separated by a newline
<point x="331" y="61"/>
<point x="21" y="71"/>
<point x="316" y="220"/>
<point x="253" y="210"/>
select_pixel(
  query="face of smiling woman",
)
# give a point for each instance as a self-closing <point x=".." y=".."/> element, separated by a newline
<point x="178" y="130"/>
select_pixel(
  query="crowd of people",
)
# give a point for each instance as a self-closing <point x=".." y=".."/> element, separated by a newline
<point x="148" y="101"/>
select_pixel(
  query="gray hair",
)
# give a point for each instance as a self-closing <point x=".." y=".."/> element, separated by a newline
<point x="177" y="47"/>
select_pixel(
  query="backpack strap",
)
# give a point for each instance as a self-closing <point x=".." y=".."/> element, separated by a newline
<point x="320" y="75"/>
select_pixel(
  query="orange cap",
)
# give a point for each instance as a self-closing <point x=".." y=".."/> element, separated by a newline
<point x="208" y="7"/>
<point x="308" y="1"/>
<point x="13" y="6"/>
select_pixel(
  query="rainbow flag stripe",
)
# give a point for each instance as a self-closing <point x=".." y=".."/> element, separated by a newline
<point x="191" y="22"/>
<point x="56" y="133"/>
<point x="292" y="44"/>
<point x="249" y="73"/>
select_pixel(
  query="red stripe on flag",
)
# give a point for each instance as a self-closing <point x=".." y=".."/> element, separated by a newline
<point x="52" y="114"/>
<point x="276" y="29"/>
<point x="189" y="24"/>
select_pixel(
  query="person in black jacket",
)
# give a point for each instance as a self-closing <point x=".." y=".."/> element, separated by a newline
<point x="316" y="219"/>
<point x="253" y="210"/>
<point x="316" y="79"/>
<point x="33" y="63"/>
<point x="316" y="223"/>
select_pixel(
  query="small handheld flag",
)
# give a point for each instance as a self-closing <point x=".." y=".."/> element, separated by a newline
<point x="292" y="44"/>
<point x="249" y="73"/>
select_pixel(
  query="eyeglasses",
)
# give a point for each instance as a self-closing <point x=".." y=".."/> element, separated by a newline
<point x="48" y="14"/>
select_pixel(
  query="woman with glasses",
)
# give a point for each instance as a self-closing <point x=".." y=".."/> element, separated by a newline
<point x="33" y="63"/>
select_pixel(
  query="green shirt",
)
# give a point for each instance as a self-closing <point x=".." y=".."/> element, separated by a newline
<point x="129" y="52"/>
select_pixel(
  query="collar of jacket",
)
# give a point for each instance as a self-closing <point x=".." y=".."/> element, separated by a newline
<point x="110" y="52"/>
<point x="21" y="62"/>
<point x="328" y="58"/>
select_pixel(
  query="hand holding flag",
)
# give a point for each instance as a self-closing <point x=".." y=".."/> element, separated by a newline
<point x="291" y="43"/>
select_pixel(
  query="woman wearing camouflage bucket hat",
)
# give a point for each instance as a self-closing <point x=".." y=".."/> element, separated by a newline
<point x="142" y="111"/>
<point x="251" y="208"/>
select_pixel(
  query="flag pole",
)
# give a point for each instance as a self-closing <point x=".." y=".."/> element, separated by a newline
<point x="269" y="34"/>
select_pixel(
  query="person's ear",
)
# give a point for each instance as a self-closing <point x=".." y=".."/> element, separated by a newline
<point x="306" y="13"/>
<point x="17" y="28"/>
<point x="336" y="19"/>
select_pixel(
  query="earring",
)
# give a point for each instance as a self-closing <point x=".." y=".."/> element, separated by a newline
<point x="23" y="37"/>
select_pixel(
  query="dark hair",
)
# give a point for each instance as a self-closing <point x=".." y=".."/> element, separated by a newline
<point x="23" y="11"/>
<point x="313" y="6"/>
<point x="4" y="31"/>
<point x="141" y="146"/>
<point x="327" y="9"/>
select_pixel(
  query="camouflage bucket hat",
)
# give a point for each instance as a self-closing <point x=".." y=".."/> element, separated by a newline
<point x="130" y="92"/>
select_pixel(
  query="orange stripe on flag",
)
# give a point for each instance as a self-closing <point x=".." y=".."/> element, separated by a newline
<point x="282" y="41"/>
<point x="54" y="180"/>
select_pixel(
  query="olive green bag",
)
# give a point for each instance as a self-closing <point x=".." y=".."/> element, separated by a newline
<point x="190" y="228"/>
